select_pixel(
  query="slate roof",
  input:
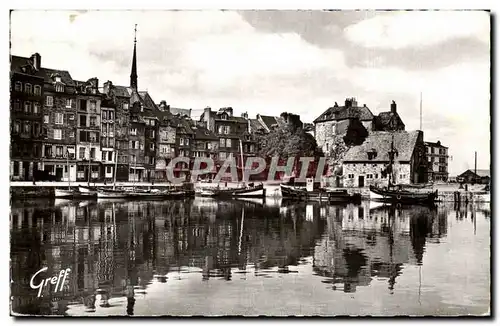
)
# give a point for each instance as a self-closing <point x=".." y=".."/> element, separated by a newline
<point x="480" y="173"/>
<point x="342" y="112"/>
<point x="255" y="125"/>
<point x="204" y="134"/>
<point x="17" y="63"/>
<point x="65" y="76"/>
<point x="148" y="101"/>
<point x="434" y="144"/>
<point x="404" y="143"/>
<point x="121" y="91"/>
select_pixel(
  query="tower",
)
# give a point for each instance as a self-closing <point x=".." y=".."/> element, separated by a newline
<point x="133" y="73"/>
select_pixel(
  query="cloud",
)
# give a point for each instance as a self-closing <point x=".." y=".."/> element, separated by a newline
<point x="419" y="28"/>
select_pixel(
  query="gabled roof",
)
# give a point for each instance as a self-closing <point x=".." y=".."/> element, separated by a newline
<point x="121" y="91"/>
<point x="255" y="125"/>
<point x="65" y="76"/>
<point x="380" y="141"/>
<point x="480" y="173"/>
<point x="148" y="101"/>
<point x="363" y="113"/>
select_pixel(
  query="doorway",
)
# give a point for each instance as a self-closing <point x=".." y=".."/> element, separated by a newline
<point x="361" y="181"/>
<point x="59" y="173"/>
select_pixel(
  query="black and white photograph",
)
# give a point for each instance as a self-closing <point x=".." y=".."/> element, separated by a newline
<point x="177" y="163"/>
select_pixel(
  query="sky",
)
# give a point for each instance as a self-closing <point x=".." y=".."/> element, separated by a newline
<point x="302" y="62"/>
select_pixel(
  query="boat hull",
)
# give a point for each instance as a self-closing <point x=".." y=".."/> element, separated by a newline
<point x="244" y="192"/>
<point x="300" y="193"/>
<point x="111" y="194"/>
<point x="87" y="192"/>
<point x="397" y="196"/>
<point x="65" y="193"/>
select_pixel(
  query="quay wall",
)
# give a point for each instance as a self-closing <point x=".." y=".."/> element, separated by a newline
<point x="46" y="189"/>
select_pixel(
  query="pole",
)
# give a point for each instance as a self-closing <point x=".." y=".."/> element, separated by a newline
<point x="116" y="167"/>
<point x="242" y="163"/>
<point x="475" y="163"/>
<point x="90" y="172"/>
<point x="420" y="111"/>
<point x="67" y="166"/>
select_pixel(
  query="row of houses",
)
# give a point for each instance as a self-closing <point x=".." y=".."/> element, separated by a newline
<point x="66" y="129"/>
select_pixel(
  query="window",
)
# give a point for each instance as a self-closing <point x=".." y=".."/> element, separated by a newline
<point x="222" y="142"/>
<point x="46" y="118"/>
<point x="72" y="134"/>
<point x="228" y="142"/>
<point x="57" y="134"/>
<point x="125" y="106"/>
<point x="92" y="136"/>
<point x="36" y="129"/>
<point x="376" y="176"/>
<point x="350" y="176"/>
<point x="27" y="107"/>
<point x="81" y="153"/>
<point x="36" y="107"/>
<point x="17" y="126"/>
<point x="59" y="88"/>
<point x="18" y="86"/>
<point x="68" y="103"/>
<point x="59" y="150"/>
<point x="49" y="101"/>
<point x="71" y="116"/>
<point x="133" y="131"/>
<point x="28" y="88"/>
<point x="222" y="155"/>
<point x="48" y="150"/>
<point x="16" y="169"/>
<point x="17" y="105"/>
<point x="186" y="142"/>
<point x="38" y="90"/>
<point x="92" y="106"/>
<point x="83" y="121"/>
<point x="108" y="169"/>
<point x="152" y="134"/>
<point x="59" y="118"/>
<point x="132" y="158"/>
<point x="27" y="127"/>
<point x="209" y="145"/>
<point x="181" y="141"/>
<point x="92" y="153"/>
<point x="152" y="146"/>
<point x="110" y="156"/>
<point x="93" y="121"/>
<point x="369" y="176"/>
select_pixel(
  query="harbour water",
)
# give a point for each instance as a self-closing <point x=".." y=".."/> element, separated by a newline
<point x="275" y="258"/>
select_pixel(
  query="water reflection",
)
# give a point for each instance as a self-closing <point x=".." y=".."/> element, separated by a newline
<point x="117" y="250"/>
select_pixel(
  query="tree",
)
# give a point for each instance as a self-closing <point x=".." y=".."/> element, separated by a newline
<point x="288" y="142"/>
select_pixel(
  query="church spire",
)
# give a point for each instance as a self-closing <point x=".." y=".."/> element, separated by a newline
<point x="133" y="74"/>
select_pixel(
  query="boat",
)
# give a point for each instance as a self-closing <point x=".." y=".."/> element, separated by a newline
<point x="87" y="191"/>
<point x="301" y="193"/>
<point x="113" y="193"/>
<point x="244" y="191"/>
<point x="397" y="193"/>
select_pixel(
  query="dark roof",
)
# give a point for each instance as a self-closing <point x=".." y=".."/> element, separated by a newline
<point x="17" y="64"/>
<point x="204" y="134"/>
<point x="268" y="121"/>
<point x="121" y="91"/>
<point x="363" y="113"/>
<point x="65" y="76"/>
<point x="480" y="173"/>
<point x="308" y="127"/>
<point x="148" y="101"/>
<point x="434" y="144"/>
<point x="255" y="125"/>
<point x="380" y="141"/>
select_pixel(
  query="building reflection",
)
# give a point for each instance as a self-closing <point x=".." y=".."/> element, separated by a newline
<point x="362" y="243"/>
<point x="116" y="249"/>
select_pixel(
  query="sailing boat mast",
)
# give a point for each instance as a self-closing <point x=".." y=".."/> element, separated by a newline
<point x="420" y="111"/>
<point x="392" y="153"/>
<point x="90" y="171"/>
<point x="116" y="167"/>
<point x="67" y="167"/>
<point x="242" y="164"/>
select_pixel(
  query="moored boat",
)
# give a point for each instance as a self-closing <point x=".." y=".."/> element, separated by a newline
<point x="390" y="194"/>
<point x="112" y="193"/>
<point x="87" y="191"/>
<point x="302" y="193"/>
<point x="65" y="193"/>
<point x="249" y="190"/>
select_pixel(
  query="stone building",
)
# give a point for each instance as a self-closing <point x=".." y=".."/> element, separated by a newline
<point x="365" y="165"/>
<point x="59" y="125"/>
<point x="332" y="123"/>
<point x="88" y="130"/>
<point x="166" y="142"/>
<point x="26" y="100"/>
<point x="437" y="156"/>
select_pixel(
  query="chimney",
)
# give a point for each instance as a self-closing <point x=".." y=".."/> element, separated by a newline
<point x="244" y="115"/>
<point x="393" y="107"/>
<point x="190" y="111"/>
<point x="354" y="103"/>
<point x="229" y="110"/>
<point x="348" y="103"/>
<point x="37" y="61"/>
<point x="207" y="112"/>
<point x="107" y="87"/>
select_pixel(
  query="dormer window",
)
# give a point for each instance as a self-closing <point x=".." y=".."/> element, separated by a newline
<point x="18" y="86"/>
<point x="59" y="88"/>
<point x="58" y="79"/>
<point x="38" y="90"/>
<point x="28" y="88"/>
<point x="372" y="154"/>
